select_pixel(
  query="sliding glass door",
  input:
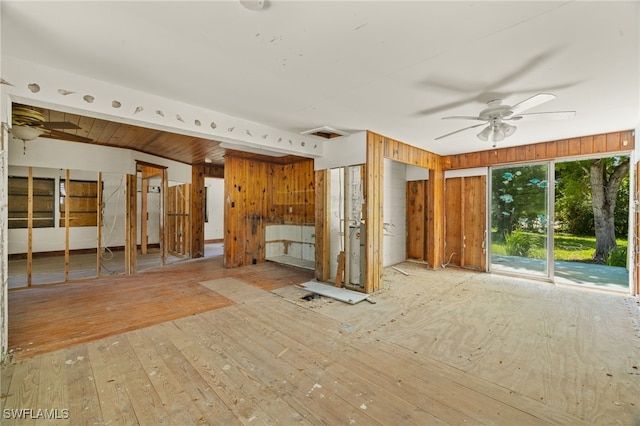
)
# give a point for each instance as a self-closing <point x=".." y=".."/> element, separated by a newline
<point x="521" y="238"/>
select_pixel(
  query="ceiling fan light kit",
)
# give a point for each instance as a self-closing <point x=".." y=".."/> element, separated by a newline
<point x="26" y="133"/>
<point x="495" y="115"/>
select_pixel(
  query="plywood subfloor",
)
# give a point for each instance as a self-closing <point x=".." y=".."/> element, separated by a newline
<point x="576" y="350"/>
<point x="438" y="347"/>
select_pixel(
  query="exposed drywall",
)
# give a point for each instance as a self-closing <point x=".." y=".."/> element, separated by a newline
<point x="52" y="153"/>
<point x="343" y="151"/>
<point x="394" y="212"/>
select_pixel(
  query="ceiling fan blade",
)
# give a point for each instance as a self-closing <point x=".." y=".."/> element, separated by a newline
<point x="460" y="130"/>
<point x="531" y="102"/>
<point x="463" y="117"/>
<point x="56" y="134"/>
<point x="59" y="125"/>
<point x="555" y="115"/>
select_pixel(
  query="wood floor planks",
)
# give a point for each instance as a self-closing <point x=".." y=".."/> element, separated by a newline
<point x="423" y="354"/>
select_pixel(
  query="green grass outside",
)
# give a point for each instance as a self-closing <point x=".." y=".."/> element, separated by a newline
<point x="566" y="247"/>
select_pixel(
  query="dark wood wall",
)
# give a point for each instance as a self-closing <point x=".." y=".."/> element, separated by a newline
<point x="257" y="193"/>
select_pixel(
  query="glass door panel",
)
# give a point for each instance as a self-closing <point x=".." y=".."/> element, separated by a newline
<point x="520" y="238"/>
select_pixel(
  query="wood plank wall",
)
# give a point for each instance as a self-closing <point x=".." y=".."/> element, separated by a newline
<point x="378" y="148"/>
<point x="323" y="239"/>
<point x="417" y="220"/>
<point x="606" y="143"/>
<point x="198" y="174"/>
<point x="259" y="192"/>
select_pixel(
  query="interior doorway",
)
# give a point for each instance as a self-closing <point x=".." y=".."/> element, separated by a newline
<point x="152" y="195"/>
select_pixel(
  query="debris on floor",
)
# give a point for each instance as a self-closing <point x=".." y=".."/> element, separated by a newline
<point x="341" y="294"/>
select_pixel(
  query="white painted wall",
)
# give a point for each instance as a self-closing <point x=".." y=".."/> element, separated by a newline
<point x="214" y="228"/>
<point x="139" y="108"/>
<point x="52" y="153"/>
<point x="343" y="151"/>
<point x="394" y="249"/>
<point x="290" y="240"/>
<point x="417" y="173"/>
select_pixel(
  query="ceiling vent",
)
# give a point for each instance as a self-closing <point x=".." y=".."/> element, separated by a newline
<point x="325" y="132"/>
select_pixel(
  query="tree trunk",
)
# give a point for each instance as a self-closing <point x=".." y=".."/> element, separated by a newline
<point x="604" y="190"/>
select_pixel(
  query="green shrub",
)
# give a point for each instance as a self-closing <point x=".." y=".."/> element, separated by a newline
<point x="617" y="257"/>
<point x="517" y="243"/>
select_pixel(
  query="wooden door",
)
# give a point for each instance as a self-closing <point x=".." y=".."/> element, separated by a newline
<point x="417" y="220"/>
<point x="453" y="221"/>
<point x="465" y="222"/>
<point x="474" y="200"/>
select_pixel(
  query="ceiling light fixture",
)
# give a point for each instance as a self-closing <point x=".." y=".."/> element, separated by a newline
<point x="26" y="133"/>
<point x="497" y="131"/>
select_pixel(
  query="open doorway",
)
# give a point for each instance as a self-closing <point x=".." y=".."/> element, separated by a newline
<point x="213" y="217"/>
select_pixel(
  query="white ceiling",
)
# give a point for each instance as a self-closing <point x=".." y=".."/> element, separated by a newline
<point x="392" y="67"/>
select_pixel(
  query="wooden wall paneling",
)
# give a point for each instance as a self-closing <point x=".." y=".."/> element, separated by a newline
<point x="416" y="219"/>
<point x="474" y="222"/>
<point x="164" y="187"/>
<point x="230" y="197"/>
<point x="374" y="217"/>
<point x="198" y="174"/>
<point x="435" y="217"/>
<point x="454" y="216"/>
<point x="585" y="145"/>
<point x="254" y="190"/>
<point x="322" y="217"/>
<point x="131" y="231"/>
<point x="186" y="219"/>
<point x="600" y="143"/>
<point x="613" y="141"/>
<point x="609" y="143"/>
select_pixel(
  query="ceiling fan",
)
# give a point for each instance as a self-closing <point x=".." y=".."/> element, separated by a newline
<point x="496" y="115"/>
<point x="28" y="123"/>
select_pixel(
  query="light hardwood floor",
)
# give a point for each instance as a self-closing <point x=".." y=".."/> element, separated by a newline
<point x="438" y="347"/>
